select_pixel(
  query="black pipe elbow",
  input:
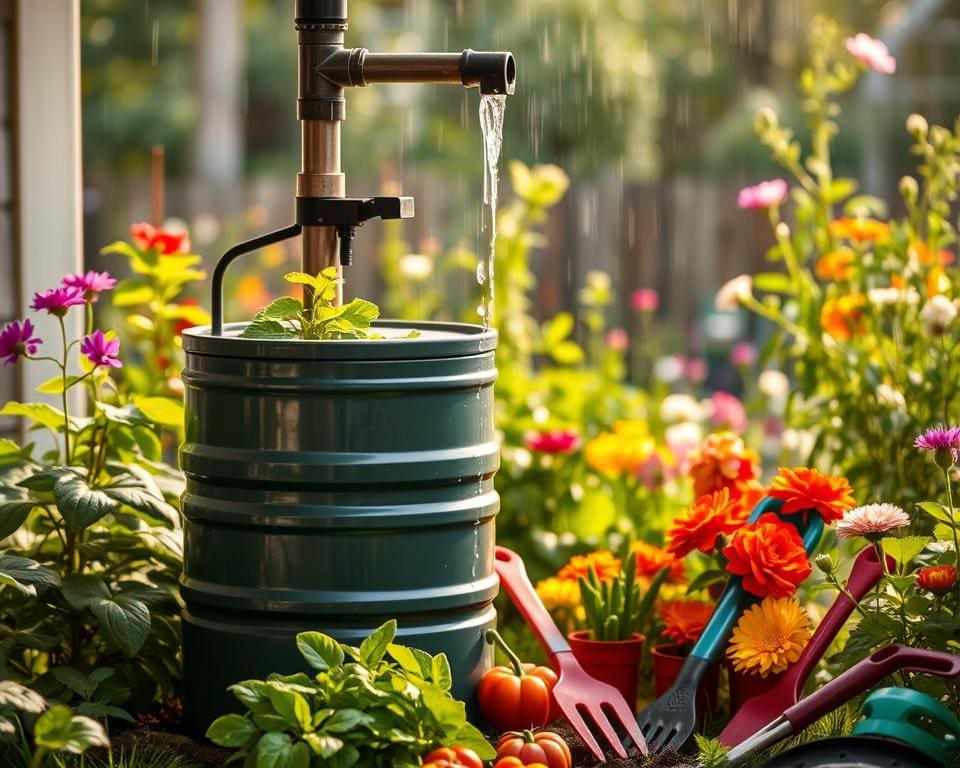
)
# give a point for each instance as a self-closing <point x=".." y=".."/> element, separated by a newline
<point x="493" y="71"/>
<point x="321" y="12"/>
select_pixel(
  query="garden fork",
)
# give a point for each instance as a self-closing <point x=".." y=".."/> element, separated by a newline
<point x="669" y="721"/>
<point x="576" y="693"/>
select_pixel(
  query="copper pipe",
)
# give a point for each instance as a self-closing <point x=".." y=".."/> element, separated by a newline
<point x="320" y="176"/>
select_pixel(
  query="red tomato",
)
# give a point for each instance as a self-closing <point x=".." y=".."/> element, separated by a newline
<point x="545" y="748"/>
<point x="453" y="757"/>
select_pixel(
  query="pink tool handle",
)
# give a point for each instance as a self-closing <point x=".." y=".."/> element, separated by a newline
<point x="866" y="673"/>
<point x="864" y="575"/>
<point x="514" y="578"/>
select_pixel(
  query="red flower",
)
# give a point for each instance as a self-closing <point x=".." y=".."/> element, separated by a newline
<point x="651" y="559"/>
<point x="713" y="514"/>
<point x="684" y="620"/>
<point x="554" y="441"/>
<point x="770" y="557"/>
<point x="937" y="578"/>
<point x="802" y="489"/>
<point x="147" y="237"/>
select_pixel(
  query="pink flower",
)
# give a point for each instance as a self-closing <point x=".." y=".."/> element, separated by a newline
<point x="728" y="411"/>
<point x="554" y="441"/>
<point x="941" y="440"/>
<point x="743" y="354"/>
<point x="695" y="369"/>
<point x="645" y="300"/>
<point x="58" y="300"/>
<point x="766" y="194"/>
<point x="872" y="53"/>
<point x="100" y="350"/>
<point x="871" y="520"/>
<point x="618" y="339"/>
<point x="17" y="339"/>
<point x="91" y="283"/>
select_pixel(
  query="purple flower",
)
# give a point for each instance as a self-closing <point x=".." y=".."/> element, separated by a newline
<point x="943" y="441"/>
<point x="58" y="300"/>
<point x="100" y="350"/>
<point x="17" y="339"/>
<point x="91" y="283"/>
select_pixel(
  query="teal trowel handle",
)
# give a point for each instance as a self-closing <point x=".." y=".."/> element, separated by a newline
<point x="735" y="600"/>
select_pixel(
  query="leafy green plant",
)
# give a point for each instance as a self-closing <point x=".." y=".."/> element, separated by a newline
<point x="378" y="705"/>
<point x="288" y="318"/>
<point x="616" y="608"/>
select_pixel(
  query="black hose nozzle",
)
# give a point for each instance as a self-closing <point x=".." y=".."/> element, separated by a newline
<point x="493" y="71"/>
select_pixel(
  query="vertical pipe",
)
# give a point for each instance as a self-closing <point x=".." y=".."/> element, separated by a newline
<point x="320" y="176"/>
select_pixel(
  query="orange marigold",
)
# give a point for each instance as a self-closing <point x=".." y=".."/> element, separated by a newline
<point x="769" y="556"/>
<point x="684" y="620"/>
<point x="860" y="229"/>
<point x="842" y="317"/>
<point x="937" y="578"/>
<point x="713" y="514"/>
<point x="721" y="461"/>
<point x="651" y="559"/>
<point x="836" y="265"/>
<point x="749" y="493"/>
<point x="604" y="562"/>
<point x="802" y="488"/>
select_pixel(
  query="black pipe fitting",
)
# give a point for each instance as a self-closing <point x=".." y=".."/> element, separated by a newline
<point x="322" y="12"/>
<point x="493" y="71"/>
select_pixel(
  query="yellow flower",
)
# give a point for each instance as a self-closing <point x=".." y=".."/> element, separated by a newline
<point x="769" y="637"/>
<point x="559" y="594"/>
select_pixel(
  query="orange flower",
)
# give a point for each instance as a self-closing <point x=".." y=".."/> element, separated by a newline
<point x="936" y="281"/>
<point x="603" y="562"/>
<point x="842" y="317"/>
<point x="769" y="556"/>
<point x="721" y="461"/>
<point x="684" y="620"/>
<point x="860" y="229"/>
<point x="713" y="514"/>
<point x="147" y="237"/>
<point x="749" y="493"/>
<point x="836" y="265"/>
<point x="924" y="255"/>
<point x="937" y="578"/>
<point x="651" y="559"/>
<point x="802" y="489"/>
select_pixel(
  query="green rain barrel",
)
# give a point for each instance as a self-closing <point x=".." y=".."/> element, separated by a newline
<point x="331" y="486"/>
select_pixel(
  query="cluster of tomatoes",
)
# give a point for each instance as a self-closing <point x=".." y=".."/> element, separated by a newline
<point x="516" y="699"/>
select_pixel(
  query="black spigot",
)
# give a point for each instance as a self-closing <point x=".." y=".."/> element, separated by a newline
<point x="348" y="213"/>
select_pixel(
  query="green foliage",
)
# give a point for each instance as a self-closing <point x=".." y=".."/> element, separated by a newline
<point x="712" y="753"/>
<point x="617" y="608"/>
<point x="381" y="704"/>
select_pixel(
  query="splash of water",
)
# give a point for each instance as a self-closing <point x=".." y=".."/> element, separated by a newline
<point x="492" y="107"/>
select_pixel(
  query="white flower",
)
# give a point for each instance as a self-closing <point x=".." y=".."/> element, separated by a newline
<point x="668" y="368"/>
<point x="890" y="397"/>
<point x="871" y="520"/>
<point x="733" y="293"/>
<point x="937" y="315"/>
<point x="773" y="384"/>
<point x="798" y="441"/>
<point x="886" y="296"/>
<point x="598" y="280"/>
<point x="416" y="266"/>
<point x="685" y="435"/>
<point x="680" y="407"/>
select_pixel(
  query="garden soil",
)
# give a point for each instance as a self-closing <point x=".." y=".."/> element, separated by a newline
<point x="583" y="757"/>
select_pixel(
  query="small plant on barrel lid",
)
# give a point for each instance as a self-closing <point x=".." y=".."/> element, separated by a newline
<point x="288" y="318"/>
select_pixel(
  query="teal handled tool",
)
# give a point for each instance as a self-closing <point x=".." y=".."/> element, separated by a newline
<point x="669" y="721"/>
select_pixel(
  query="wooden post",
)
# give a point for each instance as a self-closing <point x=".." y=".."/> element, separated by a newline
<point x="157" y="156"/>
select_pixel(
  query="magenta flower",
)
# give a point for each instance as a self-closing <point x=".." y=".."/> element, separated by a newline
<point x="17" y="339"/>
<point x="695" y="369"/>
<point x="58" y="300"/>
<point x="100" y="350"/>
<point x="728" y="411"/>
<point x="872" y="53"/>
<point x="91" y="283"/>
<point x="743" y="354"/>
<point x="766" y="194"/>
<point x="943" y="441"/>
<point x="617" y="339"/>
<point x="645" y="300"/>
<point x="554" y="441"/>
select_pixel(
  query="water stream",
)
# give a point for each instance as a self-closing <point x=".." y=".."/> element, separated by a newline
<point x="492" y="107"/>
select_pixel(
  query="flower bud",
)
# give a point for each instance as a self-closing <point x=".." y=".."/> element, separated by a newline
<point x="917" y="126"/>
<point x="909" y="190"/>
<point x="825" y="563"/>
<point x="939" y="136"/>
<point x="765" y="120"/>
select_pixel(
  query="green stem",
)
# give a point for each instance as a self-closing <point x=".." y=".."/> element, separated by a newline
<point x="89" y="318"/>
<point x="856" y="604"/>
<point x="63" y="395"/>
<point x="39" y="757"/>
<point x="493" y="637"/>
<point x="953" y="527"/>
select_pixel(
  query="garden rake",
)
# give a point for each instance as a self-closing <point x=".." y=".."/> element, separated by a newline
<point x="578" y="696"/>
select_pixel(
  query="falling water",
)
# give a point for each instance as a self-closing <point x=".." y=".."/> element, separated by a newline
<point x="492" y="107"/>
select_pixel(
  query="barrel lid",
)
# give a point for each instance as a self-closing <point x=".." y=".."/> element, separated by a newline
<point x="436" y="340"/>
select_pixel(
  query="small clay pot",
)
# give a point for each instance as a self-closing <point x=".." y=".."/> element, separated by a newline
<point x="616" y="662"/>
<point x="667" y="660"/>
<point x="744" y="686"/>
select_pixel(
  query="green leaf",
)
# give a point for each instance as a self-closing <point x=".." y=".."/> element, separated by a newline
<point x="321" y="651"/>
<point x="284" y="308"/>
<point x="323" y="745"/>
<point x="16" y="696"/>
<point x="943" y="532"/>
<point x="54" y="386"/>
<point x="164" y="411"/>
<point x="125" y="620"/>
<point x="143" y="501"/>
<point x="773" y="282"/>
<point x="7" y="728"/>
<point x="441" y="673"/>
<point x="81" y="505"/>
<point x="128" y="415"/>
<point x="905" y="549"/>
<point x="346" y="720"/>
<point x="558" y="328"/>
<point x="706" y="578"/>
<point x="132" y="292"/>
<point x="405" y="658"/>
<point x="101" y="711"/>
<point x="40" y="413"/>
<point x="231" y="731"/>
<point x="301" y="278"/>
<point x="567" y="353"/>
<point x="360" y="313"/>
<point x="275" y="750"/>
<point x="13" y="514"/>
<point x="373" y="647"/>
<point x="82" y="590"/>
<point x="26" y="575"/>
<point x="936" y="511"/>
<point x="59" y="730"/>
<point x="267" y="329"/>
<point x="72" y="679"/>
<point x="292" y="707"/>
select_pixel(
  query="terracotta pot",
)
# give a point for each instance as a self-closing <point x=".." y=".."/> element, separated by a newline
<point x="667" y="660"/>
<point x="616" y="662"/>
<point x="744" y="686"/>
